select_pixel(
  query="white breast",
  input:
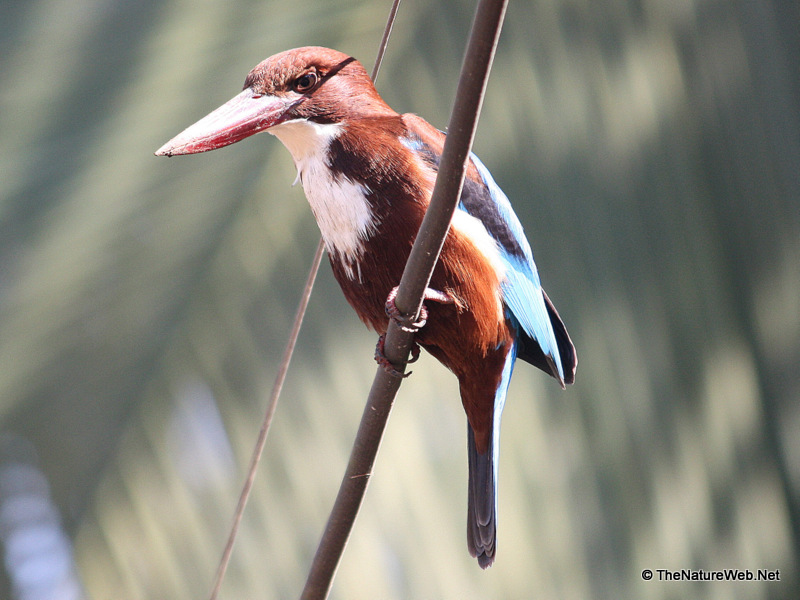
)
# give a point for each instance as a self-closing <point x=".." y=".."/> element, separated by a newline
<point x="340" y="205"/>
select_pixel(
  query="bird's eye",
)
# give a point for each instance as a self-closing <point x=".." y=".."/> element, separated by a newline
<point x="305" y="82"/>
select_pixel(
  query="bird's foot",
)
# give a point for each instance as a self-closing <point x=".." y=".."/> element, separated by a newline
<point x="384" y="362"/>
<point x="405" y="323"/>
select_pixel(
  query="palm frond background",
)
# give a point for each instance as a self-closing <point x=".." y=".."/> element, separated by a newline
<point x="652" y="151"/>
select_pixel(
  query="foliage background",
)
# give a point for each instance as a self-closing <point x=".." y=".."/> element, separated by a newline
<point x="652" y="151"/>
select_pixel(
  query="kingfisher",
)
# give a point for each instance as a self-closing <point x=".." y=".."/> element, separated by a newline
<point x="368" y="173"/>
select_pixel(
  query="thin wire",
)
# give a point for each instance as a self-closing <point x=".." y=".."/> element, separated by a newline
<point x="267" y="422"/>
<point x="285" y="362"/>
<point x="387" y="31"/>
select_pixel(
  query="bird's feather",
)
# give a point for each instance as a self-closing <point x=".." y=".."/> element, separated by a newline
<point x="522" y="290"/>
<point x="526" y="303"/>
<point x="483" y="477"/>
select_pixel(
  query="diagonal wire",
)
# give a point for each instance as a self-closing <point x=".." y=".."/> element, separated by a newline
<point x="280" y="377"/>
<point x="267" y="422"/>
<point x="416" y="276"/>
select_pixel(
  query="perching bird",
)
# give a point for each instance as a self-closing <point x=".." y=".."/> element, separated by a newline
<point x="368" y="173"/>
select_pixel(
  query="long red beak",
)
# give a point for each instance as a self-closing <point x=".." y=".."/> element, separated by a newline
<point x="240" y="117"/>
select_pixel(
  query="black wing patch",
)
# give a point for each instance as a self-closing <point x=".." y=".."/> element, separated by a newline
<point x="531" y="352"/>
<point x="476" y="199"/>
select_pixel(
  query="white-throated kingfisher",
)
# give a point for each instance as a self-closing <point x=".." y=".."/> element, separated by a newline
<point x="368" y="173"/>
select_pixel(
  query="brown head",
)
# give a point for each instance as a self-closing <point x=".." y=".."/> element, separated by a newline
<point x="305" y="84"/>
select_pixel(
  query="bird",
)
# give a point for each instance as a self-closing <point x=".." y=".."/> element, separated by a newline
<point x="368" y="173"/>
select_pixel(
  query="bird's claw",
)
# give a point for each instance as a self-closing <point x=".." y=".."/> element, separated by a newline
<point x="384" y="362"/>
<point x="405" y="323"/>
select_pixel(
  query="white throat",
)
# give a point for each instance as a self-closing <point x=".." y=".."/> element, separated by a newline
<point x="343" y="213"/>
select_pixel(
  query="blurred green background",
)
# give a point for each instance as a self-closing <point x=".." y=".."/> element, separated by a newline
<point x="651" y="149"/>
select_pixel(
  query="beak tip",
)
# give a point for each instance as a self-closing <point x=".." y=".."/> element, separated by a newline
<point x="166" y="150"/>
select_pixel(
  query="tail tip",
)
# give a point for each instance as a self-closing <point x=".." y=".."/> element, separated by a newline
<point x="483" y="552"/>
<point x="485" y="560"/>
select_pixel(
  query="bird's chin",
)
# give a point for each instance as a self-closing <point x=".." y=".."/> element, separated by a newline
<point x="304" y="139"/>
<point x="243" y="115"/>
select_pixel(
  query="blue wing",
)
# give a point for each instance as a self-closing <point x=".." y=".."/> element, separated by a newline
<point x="522" y="291"/>
<point x="542" y="339"/>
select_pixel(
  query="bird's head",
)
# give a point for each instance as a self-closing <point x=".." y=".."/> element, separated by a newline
<point x="311" y="84"/>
